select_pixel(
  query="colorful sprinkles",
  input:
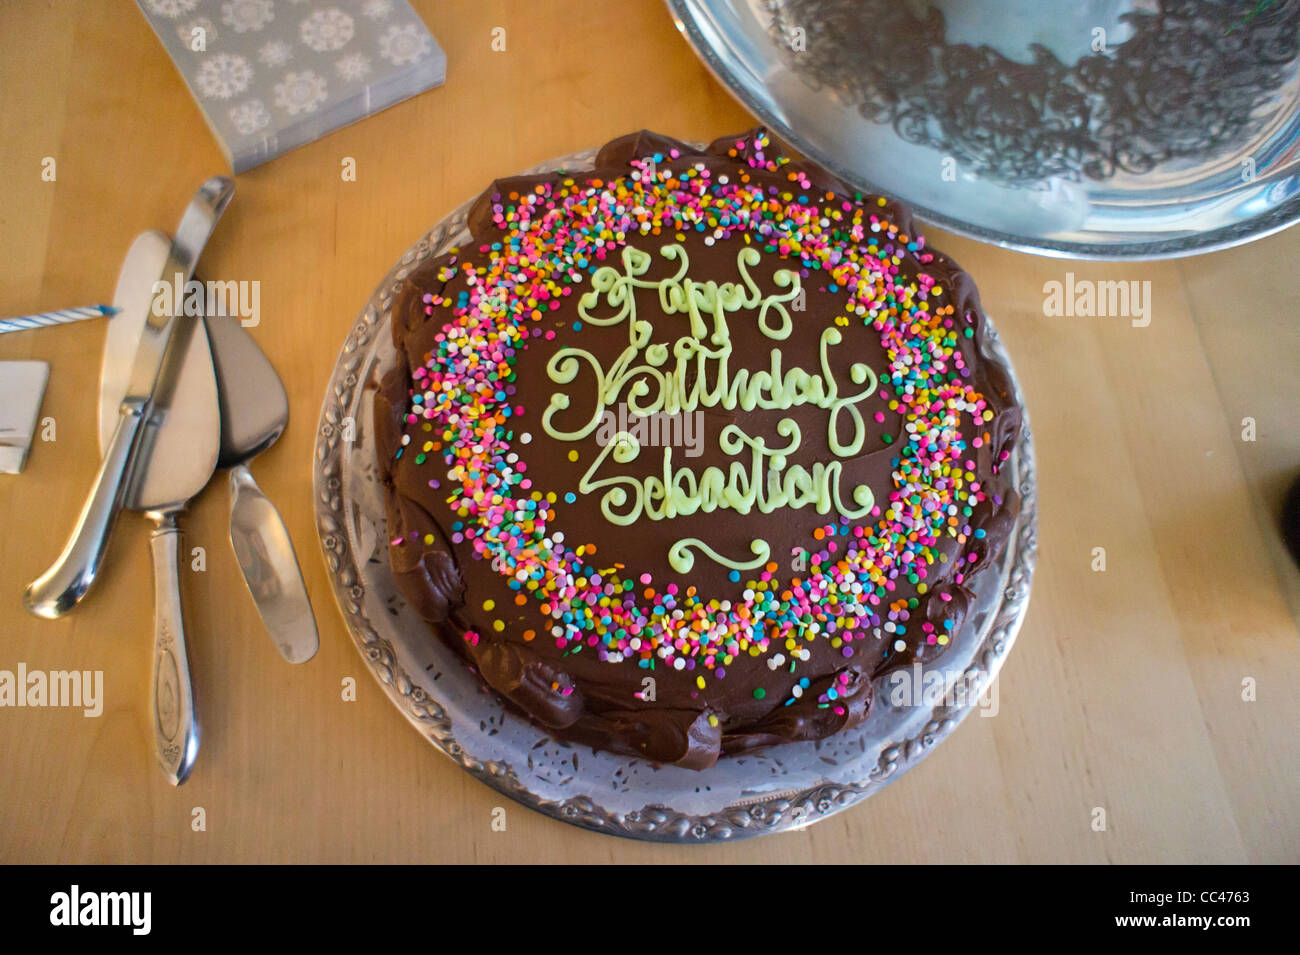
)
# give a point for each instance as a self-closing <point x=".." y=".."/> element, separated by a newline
<point x="550" y="238"/>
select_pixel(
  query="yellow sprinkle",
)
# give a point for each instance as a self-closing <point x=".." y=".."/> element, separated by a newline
<point x="498" y="625"/>
<point x="489" y="604"/>
<point x="573" y="455"/>
<point x="699" y="681"/>
<point x="713" y="720"/>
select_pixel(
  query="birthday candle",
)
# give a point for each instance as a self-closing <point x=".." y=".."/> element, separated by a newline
<point x="24" y="322"/>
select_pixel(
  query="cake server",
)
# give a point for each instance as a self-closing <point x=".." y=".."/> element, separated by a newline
<point x="254" y="413"/>
<point x="169" y="468"/>
<point x="60" y="588"/>
<point x="177" y="463"/>
<point x="165" y="474"/>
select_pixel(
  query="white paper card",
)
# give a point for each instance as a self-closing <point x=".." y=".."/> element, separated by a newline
<point x="22" y="385"/>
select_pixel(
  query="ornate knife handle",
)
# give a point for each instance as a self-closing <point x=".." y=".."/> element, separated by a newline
<point x="60" y="588"/>
<point x="176" y="733"/>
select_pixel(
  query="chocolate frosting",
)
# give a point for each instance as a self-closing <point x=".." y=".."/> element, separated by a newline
<point x="610" y="705"/>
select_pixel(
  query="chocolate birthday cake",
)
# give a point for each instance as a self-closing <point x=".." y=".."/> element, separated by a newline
<point x="682" y="452"/>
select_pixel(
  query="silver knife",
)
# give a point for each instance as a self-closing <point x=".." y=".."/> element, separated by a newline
<point x="60" y="588"/>
<point x="177" y="462"/>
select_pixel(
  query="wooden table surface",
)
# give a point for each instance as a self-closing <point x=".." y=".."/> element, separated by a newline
<point x="1124" y="690"/>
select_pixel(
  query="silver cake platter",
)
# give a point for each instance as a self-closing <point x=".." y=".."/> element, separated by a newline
<point x="784" y="788"/>
<point x="1097" y="129"/>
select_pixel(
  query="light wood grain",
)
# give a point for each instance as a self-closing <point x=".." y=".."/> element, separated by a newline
<point x="1123" y="692"/>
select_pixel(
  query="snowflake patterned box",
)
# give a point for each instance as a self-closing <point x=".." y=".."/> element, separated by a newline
<point x="272" y="75"/>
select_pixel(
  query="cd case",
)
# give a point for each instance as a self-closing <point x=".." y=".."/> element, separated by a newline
<point x="272" y="75"/>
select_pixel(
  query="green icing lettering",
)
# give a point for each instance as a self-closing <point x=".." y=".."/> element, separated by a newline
<point x="653" y="377"/>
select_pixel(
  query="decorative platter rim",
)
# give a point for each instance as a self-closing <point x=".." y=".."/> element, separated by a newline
<point x="687" y="14"/>
<point x="769" y="810"/>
